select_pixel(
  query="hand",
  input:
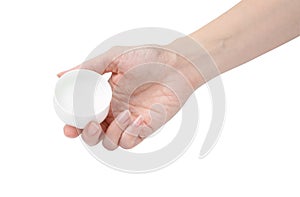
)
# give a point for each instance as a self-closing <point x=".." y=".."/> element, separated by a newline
<point x="149" y="84"/>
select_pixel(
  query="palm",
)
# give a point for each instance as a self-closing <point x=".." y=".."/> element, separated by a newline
<point x="139" y="88"/>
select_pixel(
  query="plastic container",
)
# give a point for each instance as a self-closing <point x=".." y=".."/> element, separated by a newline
<point x="82" y="96"/>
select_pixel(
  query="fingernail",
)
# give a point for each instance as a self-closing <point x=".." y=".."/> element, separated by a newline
<point x="123" y="117"/>
<point x="138" y="121"/>
<point x="134" y="128"/>
<point x="93" y="128"/>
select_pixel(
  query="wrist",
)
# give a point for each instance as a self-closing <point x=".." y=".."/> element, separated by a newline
<point x="192" y="60"/>
<point x="186" y="67"/>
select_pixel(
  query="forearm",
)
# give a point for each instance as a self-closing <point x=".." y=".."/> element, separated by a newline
<point x="248" y="30"/>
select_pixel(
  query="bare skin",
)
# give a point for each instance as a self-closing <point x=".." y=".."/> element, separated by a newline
<point x="246" y="31"/>
<point x="137" y="109"/>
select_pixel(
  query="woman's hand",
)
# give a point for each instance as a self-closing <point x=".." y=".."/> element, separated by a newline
<point x="150" y="84"/>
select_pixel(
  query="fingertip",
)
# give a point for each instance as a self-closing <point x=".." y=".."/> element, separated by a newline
<point x="71" y="132"/>
<point x="59" y="74"/>
<point x="92" y="133"/>
<point x="115" y="130"/>
<point x="108" y="144"/>
<point x="63" y="72"/>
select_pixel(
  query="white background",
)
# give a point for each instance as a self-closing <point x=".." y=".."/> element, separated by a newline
<point x="257" y="154"/>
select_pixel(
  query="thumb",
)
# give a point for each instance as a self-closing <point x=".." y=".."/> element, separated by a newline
<point x="101" y="64"/>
